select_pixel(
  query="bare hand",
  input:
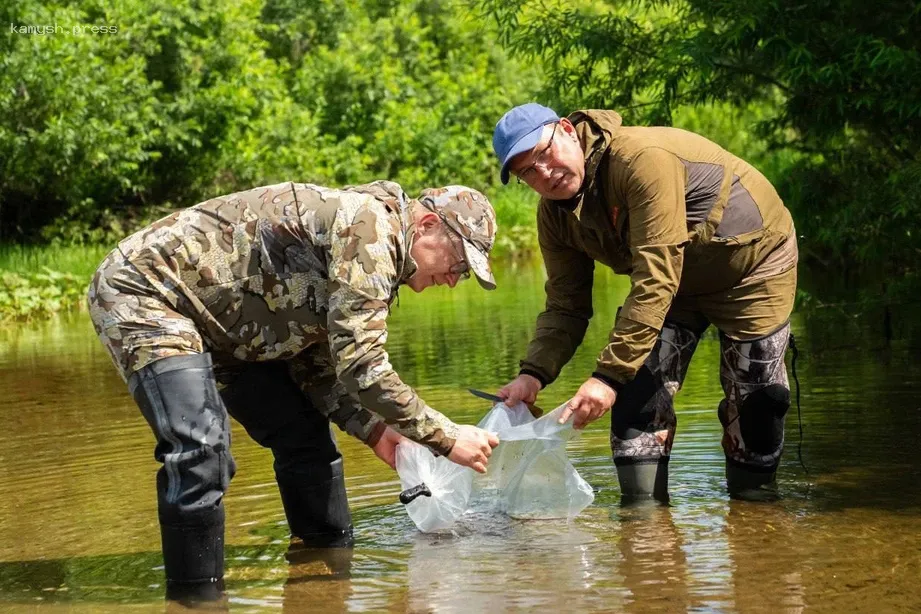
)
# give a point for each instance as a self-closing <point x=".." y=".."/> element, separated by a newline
<point x="473" y="447"/>
<point x="386" y="447"/>
<point x="522" y="388"/>
<point x="593" y="400"/>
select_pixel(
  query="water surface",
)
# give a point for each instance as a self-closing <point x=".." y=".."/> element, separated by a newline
<point x="78" y="528"/>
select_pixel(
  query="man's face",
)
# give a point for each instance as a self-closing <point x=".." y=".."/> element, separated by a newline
<point x="438" y="254"/>
<point x="555" y="167"/>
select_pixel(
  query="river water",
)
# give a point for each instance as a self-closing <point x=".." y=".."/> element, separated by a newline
<point x="78" y="525"/>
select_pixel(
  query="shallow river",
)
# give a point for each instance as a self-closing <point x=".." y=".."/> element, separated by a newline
<point x="78" y="525"/>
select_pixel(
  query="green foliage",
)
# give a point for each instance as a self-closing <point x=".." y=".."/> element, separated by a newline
<point x="826" y="64"/>
<point x="516" y="213"/>
<point x="79" y="260"/>
<point x="77" y="119"/>
<point x="828" y="91"/>
<point x="100" y="131"/>
<point x="23" y="297"/>
<point x="414" y="92"/>
<point x="36" y="282"/>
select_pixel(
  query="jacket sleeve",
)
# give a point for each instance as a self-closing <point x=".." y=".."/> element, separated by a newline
<point x="561" y="326"/>
<point x="362" y="276"/>
<point x="315" y="374"/>
<point x="654" y="187"/>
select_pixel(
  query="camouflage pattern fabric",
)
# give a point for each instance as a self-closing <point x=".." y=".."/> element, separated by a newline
<point x="745" y="367"/>
<point x="469" y="215"/>
<point x="668" y="363"/>
<point x="314" y="372"/>
<point x="266" y="274"/>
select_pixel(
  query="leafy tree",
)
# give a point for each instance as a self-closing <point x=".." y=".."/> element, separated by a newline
<point x="99" y="132"/>
<point x="840" y="79"/>
<point x="416" y="90"/>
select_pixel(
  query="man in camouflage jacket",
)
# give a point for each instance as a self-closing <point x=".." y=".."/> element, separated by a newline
<point x="704" y="238"/>
<point x="271" y="304"/>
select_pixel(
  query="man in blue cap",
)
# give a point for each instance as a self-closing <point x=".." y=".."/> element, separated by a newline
<point x="705" y="240"/>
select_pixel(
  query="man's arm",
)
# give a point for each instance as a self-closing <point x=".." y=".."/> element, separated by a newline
<point x="361" y="277"/>
<point x="655" y="186"/>
<point x="561" y="326"/>
<point x="315" y="374"/>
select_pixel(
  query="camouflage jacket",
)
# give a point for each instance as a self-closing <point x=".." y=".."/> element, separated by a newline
<point x="275" y="271"/>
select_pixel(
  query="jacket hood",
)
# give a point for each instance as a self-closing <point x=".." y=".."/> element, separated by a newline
<point x="595" y="129"/>
<point x="392" y="195"/>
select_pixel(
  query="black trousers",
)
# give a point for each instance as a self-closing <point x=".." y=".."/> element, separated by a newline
<point x="179" y="398"/>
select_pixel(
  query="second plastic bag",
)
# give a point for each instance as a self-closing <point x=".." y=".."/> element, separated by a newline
<point x="529" y="474"/>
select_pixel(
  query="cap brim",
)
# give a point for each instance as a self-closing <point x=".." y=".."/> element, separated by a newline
<point x="479" y="265"/>
<point x="525" y="143"/>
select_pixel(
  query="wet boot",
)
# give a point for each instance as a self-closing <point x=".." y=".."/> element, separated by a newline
<point x="316" y="506"/>
<point x="643" y="483"/>
<point x="757" y="398"/>
<point x="193" y="557"/>
<point x="750" y="483"/>
<point x="643" y="420"/>
<point x="178" y="397"/>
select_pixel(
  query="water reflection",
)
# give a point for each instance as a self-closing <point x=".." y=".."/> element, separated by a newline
<point x="78" y="527"/>
<point x="653" y="565"/>
<point x="318" y="576"/>
<point x="767" y="566"/>
<point x="472" y="569"/>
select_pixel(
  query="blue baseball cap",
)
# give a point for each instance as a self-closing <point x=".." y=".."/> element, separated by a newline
<point x="519" y="130"/>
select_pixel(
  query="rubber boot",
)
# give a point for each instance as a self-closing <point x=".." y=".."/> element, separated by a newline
<point x="193" y="557"/>
<point x="317" y="509"/>
<point x="178" y="397"/>
<point x="751" y="483"/>
<point x="643" y="483"/>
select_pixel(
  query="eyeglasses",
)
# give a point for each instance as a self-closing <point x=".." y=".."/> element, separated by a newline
<point x="460" y="267"/>
<point x="542" y="159"/>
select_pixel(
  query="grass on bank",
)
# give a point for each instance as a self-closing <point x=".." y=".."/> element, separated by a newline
<point x="39" y="281"/>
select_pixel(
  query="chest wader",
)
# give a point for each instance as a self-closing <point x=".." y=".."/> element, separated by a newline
<point x="308" y="466"/>
<point x="179" y="398"/>
<point x="757" y="397"/>
<point x="643" y="420"/>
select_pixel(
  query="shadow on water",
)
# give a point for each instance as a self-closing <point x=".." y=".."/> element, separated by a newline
<point x="861" y="414"/>
<point x="272" y="575"/>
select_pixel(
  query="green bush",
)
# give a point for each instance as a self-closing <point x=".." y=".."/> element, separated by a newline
<point x="186" y="101"/>
<point x="24" y="297"/>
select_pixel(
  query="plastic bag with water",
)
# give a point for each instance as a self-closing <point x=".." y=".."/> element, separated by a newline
<point x="529" y="475"/>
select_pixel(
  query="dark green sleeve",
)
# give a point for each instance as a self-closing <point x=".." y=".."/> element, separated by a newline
<point x="561" y="326"/>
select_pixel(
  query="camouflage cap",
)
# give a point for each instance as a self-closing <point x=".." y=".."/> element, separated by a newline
<point x="469" y="215"/>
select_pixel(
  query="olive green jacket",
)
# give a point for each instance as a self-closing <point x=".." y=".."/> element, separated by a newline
<point x="669" y="208"/>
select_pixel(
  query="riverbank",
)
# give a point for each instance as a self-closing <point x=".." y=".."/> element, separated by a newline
<point x="39" y="281"/>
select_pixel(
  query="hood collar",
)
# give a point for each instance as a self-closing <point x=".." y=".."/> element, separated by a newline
<point x="595" y="130"/>
<point x="394" y="198"/>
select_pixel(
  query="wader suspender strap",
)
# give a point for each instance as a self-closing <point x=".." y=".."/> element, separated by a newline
<point x="799" y="412"/>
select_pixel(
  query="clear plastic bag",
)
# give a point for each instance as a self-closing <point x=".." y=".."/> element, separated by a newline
<point x="529" y="474"/>
<point x="441" y="489"/>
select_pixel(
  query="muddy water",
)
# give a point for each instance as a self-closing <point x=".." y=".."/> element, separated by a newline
<point x="78" y="528"/>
